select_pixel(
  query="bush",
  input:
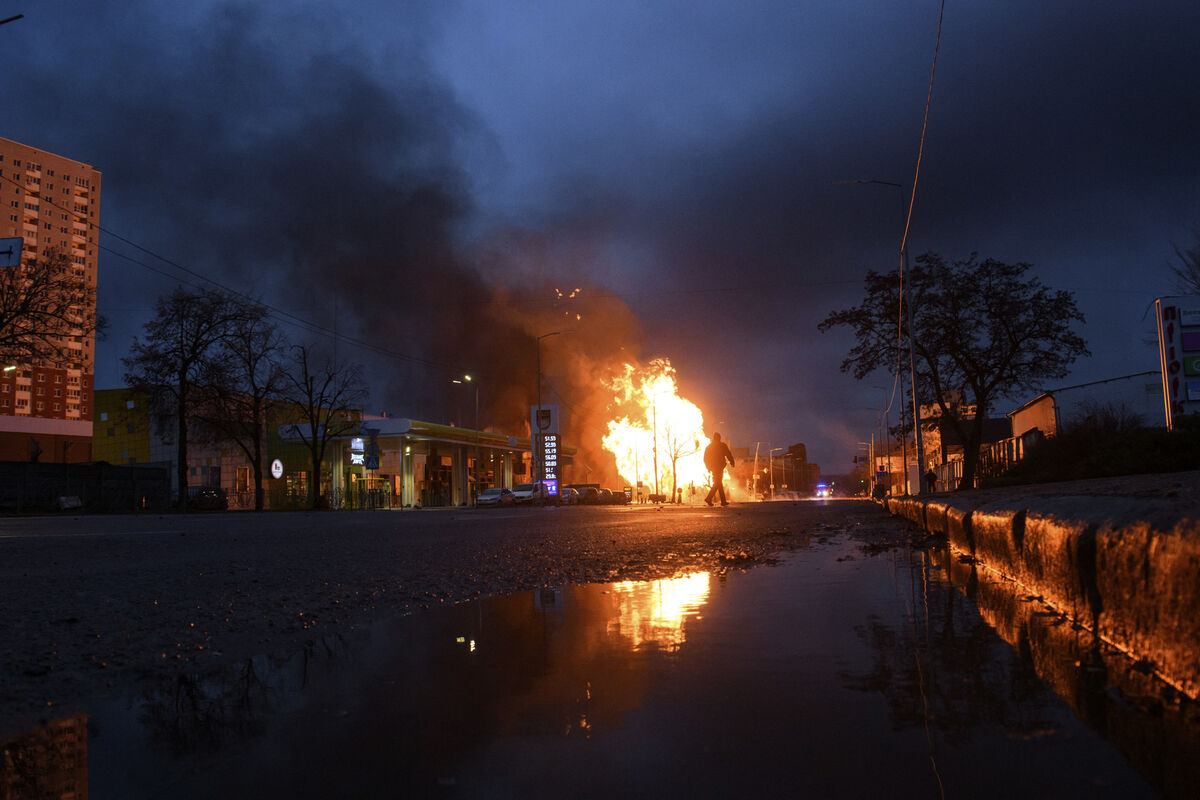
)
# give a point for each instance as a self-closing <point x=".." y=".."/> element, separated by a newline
<point x="1106" y="445"/>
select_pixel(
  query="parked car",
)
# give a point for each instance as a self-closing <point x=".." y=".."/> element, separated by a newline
<point x="568" y="496"/>
<point x="207" y="498"/>
<point x="499" y="496"/>
<point x="606" y="497"/>
<point x="530" y="493"/>
<point x="589" y="495"/>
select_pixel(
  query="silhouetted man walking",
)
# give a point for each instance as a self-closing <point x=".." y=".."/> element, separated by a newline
<point x="715" y="456"/>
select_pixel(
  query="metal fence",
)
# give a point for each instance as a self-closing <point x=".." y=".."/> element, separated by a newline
<point x="29" y="487"/>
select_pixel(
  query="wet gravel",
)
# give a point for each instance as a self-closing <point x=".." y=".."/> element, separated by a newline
<point x="93" y="605"/>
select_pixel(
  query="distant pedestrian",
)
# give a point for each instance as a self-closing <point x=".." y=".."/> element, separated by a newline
<point x="715" y="456"/>
<point x="931" y="480"/>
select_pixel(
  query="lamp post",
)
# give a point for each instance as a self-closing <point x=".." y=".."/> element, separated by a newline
<point x="468" y="379"/>
<point x="919" y="446"/>
<point x="868" y="446"/>
<point x="654" y="413"/>
<point x="771" y="457"/>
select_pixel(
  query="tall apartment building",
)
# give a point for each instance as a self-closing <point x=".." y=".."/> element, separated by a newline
<point x="50" y="201"/>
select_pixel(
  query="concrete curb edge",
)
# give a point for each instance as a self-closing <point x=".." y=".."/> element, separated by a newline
<point x="1125" y="569"/>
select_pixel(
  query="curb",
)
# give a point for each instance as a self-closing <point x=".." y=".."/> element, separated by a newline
<point x="1126" y="569"/>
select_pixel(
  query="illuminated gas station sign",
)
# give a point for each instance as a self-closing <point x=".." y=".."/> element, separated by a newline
<point x="548" y="449"/>
<point x="357" y="456"/>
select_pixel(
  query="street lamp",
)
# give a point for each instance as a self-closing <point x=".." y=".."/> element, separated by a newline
<point x="920" y="448"/>
<point x="771" y="458"/>
<point x="469" y="379"/>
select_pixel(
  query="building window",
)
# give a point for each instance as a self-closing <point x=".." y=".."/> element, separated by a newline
<point x="128" y="403"/>
<point x="112" y="431"/>
<point x="130" y="428"/>
<point x="104" y="416"/>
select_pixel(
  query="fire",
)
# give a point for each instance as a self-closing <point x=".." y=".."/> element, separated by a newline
<point x="658" y="437"/>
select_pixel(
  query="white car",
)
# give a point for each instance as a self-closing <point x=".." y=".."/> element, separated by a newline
<point x="531" y="493"/>
<point x="568" y="496"/>
<point x="501" y="496"/>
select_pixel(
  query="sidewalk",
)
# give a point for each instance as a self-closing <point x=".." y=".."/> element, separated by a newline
<point x="1118" y="556"/>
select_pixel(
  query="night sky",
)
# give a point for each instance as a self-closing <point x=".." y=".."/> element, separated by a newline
<point x="421" y="176"/>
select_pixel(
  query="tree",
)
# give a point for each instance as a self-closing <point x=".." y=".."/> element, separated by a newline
<point x="984" y="331"/>
<point x="324" y="400"/>
<point x="177" y="358"/>
<point x="679" y="445"/>
<point x="242" y="388"/>
<point x="45" y="308"/>
<point x="1187" y="265"/>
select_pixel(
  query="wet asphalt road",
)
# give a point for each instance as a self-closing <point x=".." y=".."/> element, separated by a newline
<point x="95" y="604"/>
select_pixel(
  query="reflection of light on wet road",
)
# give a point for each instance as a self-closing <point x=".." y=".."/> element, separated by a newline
<point x="653" y="612"/>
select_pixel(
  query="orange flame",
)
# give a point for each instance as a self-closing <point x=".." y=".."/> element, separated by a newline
<point x="658" y="437"/>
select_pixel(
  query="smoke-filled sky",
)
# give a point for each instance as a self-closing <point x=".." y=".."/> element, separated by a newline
<point x="421" y="176"/>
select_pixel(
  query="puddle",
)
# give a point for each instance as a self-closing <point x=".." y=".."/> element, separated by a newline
<point x="832" y="674"/>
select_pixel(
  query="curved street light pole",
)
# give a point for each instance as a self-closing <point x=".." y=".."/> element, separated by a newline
<point x="912" y="371"/>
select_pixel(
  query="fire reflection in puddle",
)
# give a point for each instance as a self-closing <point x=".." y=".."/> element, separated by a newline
<point x="654" y="612"/>
<point x="780" y="681"/>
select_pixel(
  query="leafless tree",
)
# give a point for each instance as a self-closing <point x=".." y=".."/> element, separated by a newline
<point x="325" y="402"/>
<point x="242" y="388"/>
<point x="176" y="359"/>
<point x="1187" y="265"/>
<point x="984" y="330"/>
<point x="46" y="309"/>
<point x="679" y="444"/>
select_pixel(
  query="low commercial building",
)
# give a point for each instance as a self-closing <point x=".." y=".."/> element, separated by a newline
<point x="408" y="463"/>
<point x="386" y="462"/>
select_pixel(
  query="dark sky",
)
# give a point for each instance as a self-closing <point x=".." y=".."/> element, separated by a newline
<point x="420" y="176"/>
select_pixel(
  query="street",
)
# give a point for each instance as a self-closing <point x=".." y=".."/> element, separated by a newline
<point x="770" y="649"/>
<point x="96" y="600"/>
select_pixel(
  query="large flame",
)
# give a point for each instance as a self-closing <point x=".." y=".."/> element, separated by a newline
<point x="658" y="437"/>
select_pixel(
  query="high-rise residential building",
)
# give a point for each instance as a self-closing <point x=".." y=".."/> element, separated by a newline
<point x="50" y="202"/>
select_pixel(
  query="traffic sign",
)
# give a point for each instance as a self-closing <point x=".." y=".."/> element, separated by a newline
<point x="10" y="252"/>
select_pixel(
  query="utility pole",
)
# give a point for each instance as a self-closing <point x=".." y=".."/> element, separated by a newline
<point x="654" y="411"/>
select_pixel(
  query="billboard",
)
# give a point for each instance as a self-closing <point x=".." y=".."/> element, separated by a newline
<point x="543" y="423"/>
<point x="1178" y="322"/>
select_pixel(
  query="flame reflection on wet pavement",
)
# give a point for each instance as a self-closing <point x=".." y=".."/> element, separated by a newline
<point x="832" y="674"/>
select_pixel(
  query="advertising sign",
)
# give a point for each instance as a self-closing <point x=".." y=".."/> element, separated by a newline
<point x="1178" y="320"/>
<point x="543" y="422"/>
<point x="357" y="454"/>
<point x="548" y="452"/>
<point x="10" y="252"/>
